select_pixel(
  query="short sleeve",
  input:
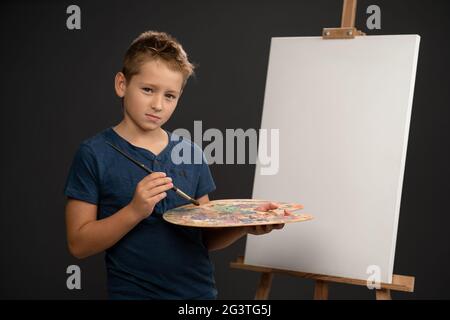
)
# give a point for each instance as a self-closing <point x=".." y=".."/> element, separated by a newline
<point x="82" y="180"/>
<point x="205" y="182"/>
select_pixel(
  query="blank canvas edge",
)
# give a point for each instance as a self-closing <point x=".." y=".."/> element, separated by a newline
<point x="403" y="160"/>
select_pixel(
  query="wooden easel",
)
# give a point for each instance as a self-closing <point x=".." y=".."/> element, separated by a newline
<point x="347" y="29"/>
<point x="399" y="282"/>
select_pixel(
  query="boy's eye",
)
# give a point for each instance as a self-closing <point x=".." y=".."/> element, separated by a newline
<point x="170" y="96"/>
<point x="148" y="90"/>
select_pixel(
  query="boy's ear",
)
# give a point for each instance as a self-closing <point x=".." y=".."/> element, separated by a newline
<point x="120" y="84"/>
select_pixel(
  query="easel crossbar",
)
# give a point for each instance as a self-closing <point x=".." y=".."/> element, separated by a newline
<point x="399" y="282"/>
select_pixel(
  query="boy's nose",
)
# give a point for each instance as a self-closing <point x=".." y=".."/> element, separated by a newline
<point x="156" y="107"/>
<point x="157" y="103"/>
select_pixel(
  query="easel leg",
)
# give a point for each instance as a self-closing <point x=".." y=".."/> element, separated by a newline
<point x="383" y="294"/>
<point x="321" y="290"/>
<point x="265" y="283"/>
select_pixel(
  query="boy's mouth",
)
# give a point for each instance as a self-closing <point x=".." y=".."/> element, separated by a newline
<point x="152" y="117"/>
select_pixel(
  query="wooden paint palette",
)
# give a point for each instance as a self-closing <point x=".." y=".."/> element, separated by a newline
<point x="234" y="213"/>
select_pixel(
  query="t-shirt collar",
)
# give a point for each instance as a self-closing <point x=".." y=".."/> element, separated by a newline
<point x="118" y="139"/>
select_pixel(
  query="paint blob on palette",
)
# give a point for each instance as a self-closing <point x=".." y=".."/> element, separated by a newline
<point x="235" y="213"/>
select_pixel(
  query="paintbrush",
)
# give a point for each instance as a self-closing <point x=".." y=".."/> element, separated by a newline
<point x="142" y="166"/>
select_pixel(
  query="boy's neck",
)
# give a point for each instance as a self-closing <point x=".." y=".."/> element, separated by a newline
<point x="137" y="136"/>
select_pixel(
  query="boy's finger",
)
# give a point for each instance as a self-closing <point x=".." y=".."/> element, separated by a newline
<point x="155" y="175"/>
<point x="157" y="190"/>
<point x="259" y="229"/>
<point x="159" y="197"/>
<point x="267" y="206"/>
<point x="156" y="182"/>
<point x="272" y="206"/>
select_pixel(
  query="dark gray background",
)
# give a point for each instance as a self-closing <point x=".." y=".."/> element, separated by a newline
<point x="57" y="90"/>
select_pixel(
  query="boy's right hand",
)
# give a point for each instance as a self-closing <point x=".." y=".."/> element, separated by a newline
<point x="149" y="191"/>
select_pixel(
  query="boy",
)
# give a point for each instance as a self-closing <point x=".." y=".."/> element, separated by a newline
<point x="113" y="206"/>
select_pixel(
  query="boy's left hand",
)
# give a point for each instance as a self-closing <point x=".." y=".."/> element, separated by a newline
<point x="266" y="228"/>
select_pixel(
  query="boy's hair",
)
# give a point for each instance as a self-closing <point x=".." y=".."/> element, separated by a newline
<point x="154" y="45"/>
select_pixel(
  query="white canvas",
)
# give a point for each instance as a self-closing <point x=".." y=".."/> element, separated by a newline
<point x="343" y="109"/>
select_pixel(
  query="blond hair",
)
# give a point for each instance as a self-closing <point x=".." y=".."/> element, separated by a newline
<point x="154" y="45"/>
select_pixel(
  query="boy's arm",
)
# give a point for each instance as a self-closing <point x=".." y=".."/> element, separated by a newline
<point x="219" y="238"/>
<point x="87" y="236"/>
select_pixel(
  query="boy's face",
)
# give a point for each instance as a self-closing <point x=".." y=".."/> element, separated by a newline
<point x="151" y="96"/>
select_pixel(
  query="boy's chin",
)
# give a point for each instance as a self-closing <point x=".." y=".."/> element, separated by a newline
<point x="150" y="126"/>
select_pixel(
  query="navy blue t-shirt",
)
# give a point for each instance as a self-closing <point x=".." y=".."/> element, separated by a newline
<point x="156" y="259"/>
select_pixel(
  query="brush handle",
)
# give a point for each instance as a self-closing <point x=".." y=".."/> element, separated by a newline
<point x="142" y="166"/>
<point x="184" y="195"/>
